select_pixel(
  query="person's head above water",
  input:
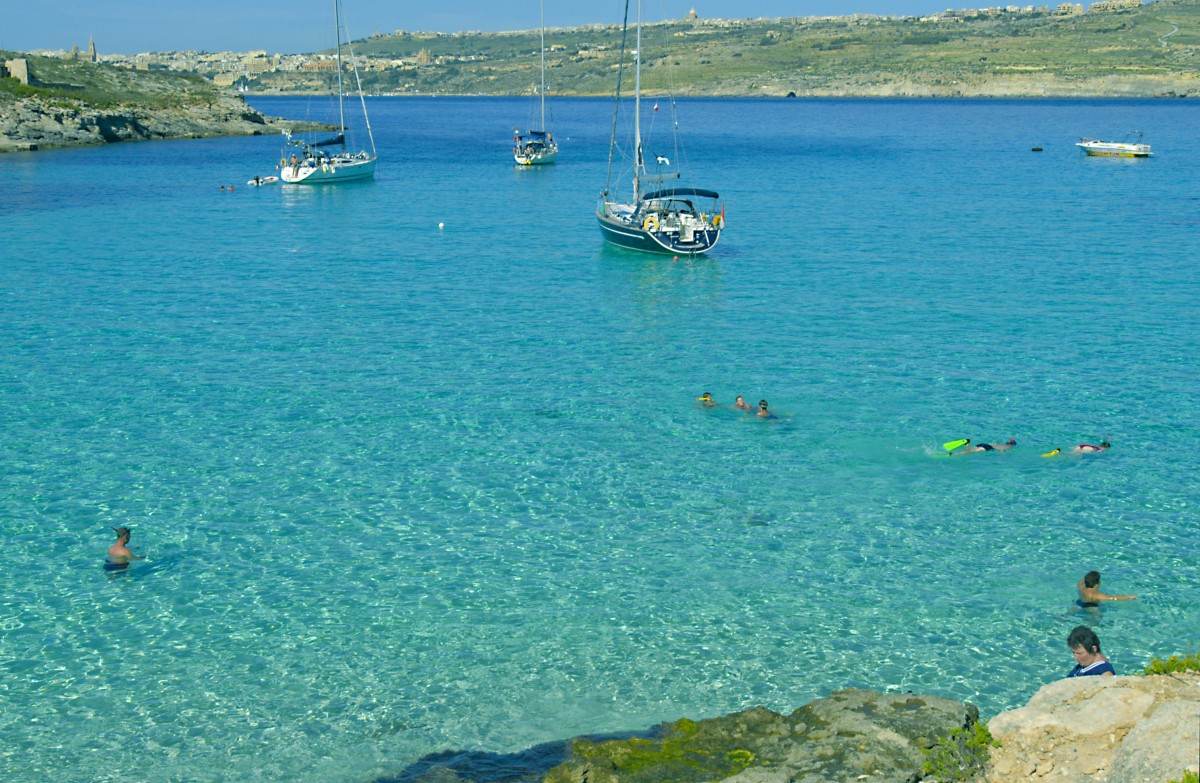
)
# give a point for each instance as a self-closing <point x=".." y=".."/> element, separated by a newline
<point x="1104" y="444"/>
<point x="762" y="404"/>
<point x="122" y="533"/>
<point x="1091" y="579"/>
<point x="1011" y="442"/>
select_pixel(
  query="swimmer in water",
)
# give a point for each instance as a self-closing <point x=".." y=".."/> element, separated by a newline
<point x="1089" y="591"/>
<point x="741" y="404"/>
<point x="119" y="556"/>
<point x="706" y="400"/>
<point x="1087" y="448"/>
<point x="763" y="413"/>
<point x="981" y="447"/>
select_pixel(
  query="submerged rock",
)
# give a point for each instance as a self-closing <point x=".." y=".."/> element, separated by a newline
<point x="851" y="735"/>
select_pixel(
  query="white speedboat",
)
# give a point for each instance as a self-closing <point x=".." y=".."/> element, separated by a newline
<point x="311" y="162"/>
<point x="1115" y="149"/>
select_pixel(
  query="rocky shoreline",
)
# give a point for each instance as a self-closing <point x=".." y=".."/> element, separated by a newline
<point x="1137" y="729"/>
<point x="40" y="122"/>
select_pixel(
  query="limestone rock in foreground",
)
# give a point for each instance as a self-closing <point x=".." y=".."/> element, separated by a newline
<point x="852" y="735"/>
<point x="1101" y="730"/>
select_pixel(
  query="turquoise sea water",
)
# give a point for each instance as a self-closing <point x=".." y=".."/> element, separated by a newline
<point x="406" y="489"/>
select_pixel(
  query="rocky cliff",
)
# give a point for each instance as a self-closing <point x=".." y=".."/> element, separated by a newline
<point x="1101" y="730"/>
<point x="38" y="122"/>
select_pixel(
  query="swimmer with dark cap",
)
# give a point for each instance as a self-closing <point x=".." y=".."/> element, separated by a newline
<point x="706" y="400"/>
<point x="119" y="556"/>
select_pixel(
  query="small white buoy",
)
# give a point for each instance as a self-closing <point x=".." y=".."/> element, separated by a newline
<point x="441" y="226"/>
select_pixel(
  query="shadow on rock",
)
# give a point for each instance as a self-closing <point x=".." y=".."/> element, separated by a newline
<point x="527" y="766"/>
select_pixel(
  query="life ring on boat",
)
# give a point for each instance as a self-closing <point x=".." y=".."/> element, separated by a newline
<point x="717" y="221"/>
<point x="651" y="224"/>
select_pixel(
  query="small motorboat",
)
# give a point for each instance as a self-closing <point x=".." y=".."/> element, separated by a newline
<point x="1116" y="149"/>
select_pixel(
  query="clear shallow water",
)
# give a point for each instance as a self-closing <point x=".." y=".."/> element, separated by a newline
<point x="406" y="490"/>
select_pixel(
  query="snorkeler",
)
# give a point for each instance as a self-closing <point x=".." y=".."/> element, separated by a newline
<point x="119" y="555"/>
<point x="1082" y="448"/>
<point x="706" y="400"/>
<point x="981" y="447"/>
<point x="1089" y="591"/>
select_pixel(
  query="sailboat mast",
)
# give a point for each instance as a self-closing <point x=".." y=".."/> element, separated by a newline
<point x="637" y="109"/>
<point x="337" y="31"/>
<point x="542" y="89"/>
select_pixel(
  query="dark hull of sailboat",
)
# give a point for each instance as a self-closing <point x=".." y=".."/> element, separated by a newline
<point x="623" y="234"/>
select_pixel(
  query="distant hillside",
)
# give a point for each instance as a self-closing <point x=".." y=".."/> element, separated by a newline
<point x="1150" y="51"/>
<point x="70" y="102"/>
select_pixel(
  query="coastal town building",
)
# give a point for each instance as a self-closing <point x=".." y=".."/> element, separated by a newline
<point x="1115" y="5"/>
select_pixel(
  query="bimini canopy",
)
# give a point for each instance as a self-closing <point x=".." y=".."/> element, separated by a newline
<point x="338" y="139"/>
<point x="668" y="192"/>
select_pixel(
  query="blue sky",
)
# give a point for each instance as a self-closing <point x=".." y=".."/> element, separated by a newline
<point x="131" y="26"/>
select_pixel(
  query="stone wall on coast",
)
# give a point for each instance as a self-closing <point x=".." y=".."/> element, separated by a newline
<point x="932" y="85"/>
<point x="38" y="122"/>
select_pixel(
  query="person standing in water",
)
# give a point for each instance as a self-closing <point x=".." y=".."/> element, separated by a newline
<point x="119" y="556"/>
<point x="1089" y="591"/>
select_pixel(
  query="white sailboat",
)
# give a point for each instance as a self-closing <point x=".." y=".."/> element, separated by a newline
<point x="537" y="147"/>
<point x="313" y="162"/>
<point x="665" y="219"/>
